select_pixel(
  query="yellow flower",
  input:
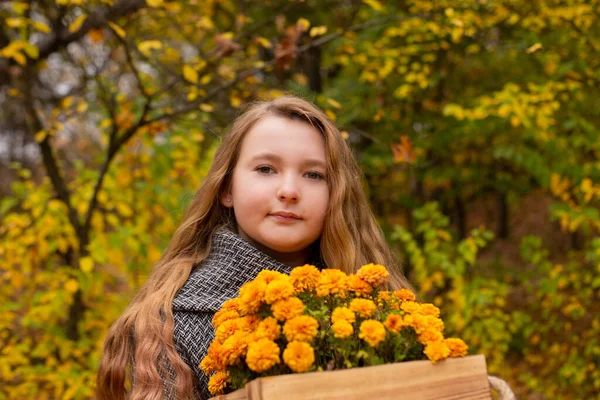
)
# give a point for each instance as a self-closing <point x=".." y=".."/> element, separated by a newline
<point x="372" y="332"/>
<point x="343" y="314"/>
<point x="342" y="329"/>
<point x="384" y="295"/>
<point x="234" y="347"/>
<point x="458" y="348"/>
<point x="411" y="307"/>
<point x="437" y="351"/>
<point x="278" y="290"/>
<point x="267" y="276"/>
<point x="430" y="309"/>
<point x="404" y="295"/>
<point x="262" y="355"/>
<point x="268" y="328"/>
<point x="288" y="308"/>
<point x="218" y="382"/>
<point x="430" y="335"/>
<point x="214" y="359"/>
<point x="227" y="329"/>
<point x="358" y="286"/>
<point x="331" y="281"/>
<point x="222" y="316"/>
<point x="394" y="323"/>
<point x="231" y="305"/>
<point x="252" y="295"/>
<point x="302" y="328"/>
<point x="422" y="323"/>
<point x="364" y="307"/>
<point x="305" y="278"/>
<point x="299" y="356"/>
<point x="374" y="274"/>
<point x="248" y="323"/>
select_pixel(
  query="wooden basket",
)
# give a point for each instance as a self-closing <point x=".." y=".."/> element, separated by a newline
<point x="454" y="378"/>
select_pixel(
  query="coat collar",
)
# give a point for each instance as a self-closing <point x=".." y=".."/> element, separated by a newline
<point x="231" y="262"/>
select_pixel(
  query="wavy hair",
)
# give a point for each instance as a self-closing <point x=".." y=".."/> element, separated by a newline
<point x="139" y="346"/>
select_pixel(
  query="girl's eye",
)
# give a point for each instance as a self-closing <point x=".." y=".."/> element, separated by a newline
<point x="264" y="169"/>
<point x="314" y="175"/>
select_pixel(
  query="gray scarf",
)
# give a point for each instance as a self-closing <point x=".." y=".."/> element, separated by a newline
<point x="231" y="263"/>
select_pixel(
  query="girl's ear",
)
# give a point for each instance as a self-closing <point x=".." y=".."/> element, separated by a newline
<point x="226" y="200"/>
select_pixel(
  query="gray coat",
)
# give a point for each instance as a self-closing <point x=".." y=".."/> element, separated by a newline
<point x="231" y="263"/>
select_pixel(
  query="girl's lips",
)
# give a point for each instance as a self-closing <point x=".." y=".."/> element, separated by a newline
<point x="281" y="218"/>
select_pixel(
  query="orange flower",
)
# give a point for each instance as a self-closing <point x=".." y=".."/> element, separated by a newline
<point x="458" y="348"/>
<point x="234" y="347"/>
<point x="305" y="278"/>
<point x="267" y="276"/>
<point x="278" y="290"/>
<point x="248" y="323"/>
<point x="331" y="281"/>
<point x="227" y="329"/>
<point x="288" y="308"/>
<point x="430" y="335"/>
<point x="342" y="329"/>
<point x="262" y="355"/>
<point x="411" y="307"/>
<point x="252" y="295"/>
<point x="299" y="356"/>
<point x="214" y="359"/>
<point x="222" y="316"/>
<point x="404" y="295"/>
<point x="358" y="286"/>
<point x="218" y="382"/>
<point x="302" y="328"/>
<point x="231" y="305"/>
<point x="394" y="323"/>
<point x="268" y="328"/>
<point x="384" y="295"/>
<point x="364" y="307"/>
<point x="436" y="351"/>
<point x="343" y="314"/>
<point x="430" y="309"/>
<point x="374" y="274"/>
<point x="372" y="332"/>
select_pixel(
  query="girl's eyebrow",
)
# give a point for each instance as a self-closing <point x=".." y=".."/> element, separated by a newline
<point x="309" y="162"/>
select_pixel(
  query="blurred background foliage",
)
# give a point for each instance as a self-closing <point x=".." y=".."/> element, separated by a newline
<point x="475" y="122"/>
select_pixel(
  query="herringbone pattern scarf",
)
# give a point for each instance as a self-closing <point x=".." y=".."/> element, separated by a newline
<point x="231" y="263"/>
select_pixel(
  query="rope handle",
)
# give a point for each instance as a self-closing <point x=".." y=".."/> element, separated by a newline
<point x="500" y="386"/>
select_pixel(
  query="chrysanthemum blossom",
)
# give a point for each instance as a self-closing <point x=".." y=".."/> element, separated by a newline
<point x="222" y="316"/>
<point x="430" y="335"/>
<point x="227" y="329"/>
<point x="394" y="323"/>
<point x="363" y="307"/>
<point x="299" y="356"/>
<point x="305" y="278"/>
<point x="252" y="296"/>
<point x="234" y="347"/>
<point x="287" y="309"/>
<point x="218" y="382"/>
<point x="262" y="355"/>
<point x="374" y="274"/>
<point x="358" y="286"/>
<point x="372" y="332"/>
<point x="331" y="281"/>
<point x="429" y="309"/>
<point x="279" y="289"/>
<point x="343" y="314"/>
<point x="404" y="295"/>
<point x="302" y="328"/>
<point x="342" y="329"/>
<point x="268" y="329"/>
<point x="458" y="348"/>
<point x="267" y="276"/>
<point x="437" y="351"/>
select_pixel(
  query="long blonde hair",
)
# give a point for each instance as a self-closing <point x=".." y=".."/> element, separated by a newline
<point x="143" y="335"/>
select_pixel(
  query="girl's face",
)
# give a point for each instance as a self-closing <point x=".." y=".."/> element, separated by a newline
<point x="279" y="191"/>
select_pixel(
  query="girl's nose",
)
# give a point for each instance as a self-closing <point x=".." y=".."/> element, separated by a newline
<point x="288" y="192"/>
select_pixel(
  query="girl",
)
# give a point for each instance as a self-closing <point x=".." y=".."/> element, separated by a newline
<point x="284" y="190"/>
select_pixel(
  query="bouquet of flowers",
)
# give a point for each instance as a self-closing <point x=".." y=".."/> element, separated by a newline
<point x="315" y="320"/>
